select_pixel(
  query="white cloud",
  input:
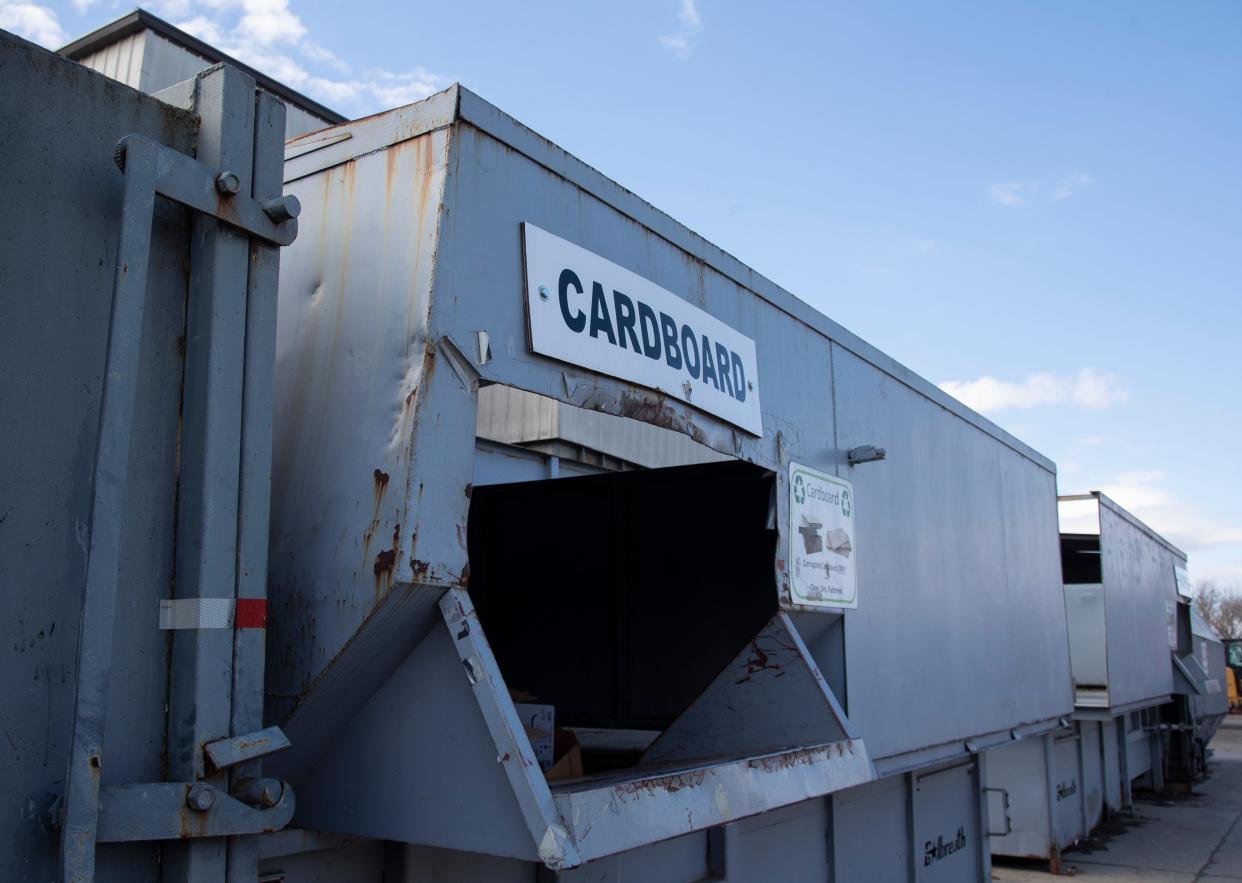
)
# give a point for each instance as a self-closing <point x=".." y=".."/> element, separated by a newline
<point x="271" y="37"/>
<point x="36" y="23"/>
<point x="1022" y="192"/>
<point x="1146" y="496"/>
<point x="681" y="42"/>
<point x="1069" y="185"/>
<point x="1087" y="389"/>
<point x="925" y="246"/>
<point x="1011" y="193"/>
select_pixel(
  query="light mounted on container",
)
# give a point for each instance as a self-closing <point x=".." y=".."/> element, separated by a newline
<point x="865" y="454"/>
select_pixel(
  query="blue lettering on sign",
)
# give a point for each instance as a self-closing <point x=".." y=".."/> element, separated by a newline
<point x="632" y="325"/>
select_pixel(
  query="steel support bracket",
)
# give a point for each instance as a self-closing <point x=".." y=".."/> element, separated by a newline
<point x="225" y="753"/>
<point x="185" y="180"/>
<point x="164" y="811"/>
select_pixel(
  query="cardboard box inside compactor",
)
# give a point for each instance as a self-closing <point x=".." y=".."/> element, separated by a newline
<point x="413" y="284"/>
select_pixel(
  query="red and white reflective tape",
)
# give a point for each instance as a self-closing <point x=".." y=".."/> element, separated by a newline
<point x="213" y="613"/>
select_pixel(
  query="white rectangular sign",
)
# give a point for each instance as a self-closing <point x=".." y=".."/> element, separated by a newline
<point x="591" y="312"/>
<point x="1170" y="622"/>
<point x="823" y="562"/>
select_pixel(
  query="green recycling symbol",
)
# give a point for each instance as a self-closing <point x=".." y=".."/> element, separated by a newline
<point x="845" y="503"/>
<point x="799" y="490"/>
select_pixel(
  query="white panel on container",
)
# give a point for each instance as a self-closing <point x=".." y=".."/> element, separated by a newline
<point x="822" y="563"/>
<point x="588" y="311"/>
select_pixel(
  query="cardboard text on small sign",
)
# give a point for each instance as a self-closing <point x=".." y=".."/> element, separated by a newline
<point x="588" y="311"/>
<point x="823" y="561"/>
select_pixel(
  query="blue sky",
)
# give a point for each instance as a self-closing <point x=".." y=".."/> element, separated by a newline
<point x="1036" y="205"/>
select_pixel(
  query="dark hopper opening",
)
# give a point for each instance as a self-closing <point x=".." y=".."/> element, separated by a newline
<point x="618" y="598"/>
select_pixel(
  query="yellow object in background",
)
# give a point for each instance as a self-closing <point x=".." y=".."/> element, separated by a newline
<point x="1232" y="681"/>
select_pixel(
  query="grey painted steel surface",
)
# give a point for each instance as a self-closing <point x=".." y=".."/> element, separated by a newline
<point x="411" y="247"/>
<point x="56" y="281"/>
<point x="1094" y="782"/>
<point x="1055" y="785"/>
<point x="1137" y="580"/>
<point x="100" y="353"/>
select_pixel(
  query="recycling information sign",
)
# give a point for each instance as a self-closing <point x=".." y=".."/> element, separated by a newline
<point x="822" y="562"/>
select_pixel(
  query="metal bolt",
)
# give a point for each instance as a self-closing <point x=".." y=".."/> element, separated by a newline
<point x="228" y="183"/>
<point x="200" y="797"/>
<point x="269" y="791"/>
<point x="259" y="792"/>
<point x="282" y="208"/>
<point x="543" y="292"/>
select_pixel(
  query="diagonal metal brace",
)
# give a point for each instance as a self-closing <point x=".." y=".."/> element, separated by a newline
<point x="168" y="811"/>
<point x="185" y="180"/>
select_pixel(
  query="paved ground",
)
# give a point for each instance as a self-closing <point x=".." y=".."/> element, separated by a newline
<point x="1193" y="838"/>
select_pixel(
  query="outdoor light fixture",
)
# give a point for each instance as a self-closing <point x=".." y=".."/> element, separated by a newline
<point x="865" y="454"/>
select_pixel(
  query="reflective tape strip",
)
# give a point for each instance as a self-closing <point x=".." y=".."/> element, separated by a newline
<point x="213" y="613"/>
<point x="251" y="613"/>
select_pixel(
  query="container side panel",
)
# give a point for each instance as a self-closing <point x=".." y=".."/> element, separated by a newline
<point x="1092" y="772"/>
<point x="1110" y="752"/>
<point x="1084" y="609"/>
<point x="1138" y="751"/>
<point x="678" y="860"/>
<point x="426" y="864"/>
<point x="1068" y="816"/>
<point x="1138" y="581"/>
<point x="354" y="361"/>
<point x="418" y="765"/>
<point x="58" y="235"/>
<point x="958" y="547"/>
<point x="870" y="831"/>
<point x="482" y="287"/>
<point x="785" y="844"/>
<point x="946" y="825"/>
<point x="1021" y="771"/>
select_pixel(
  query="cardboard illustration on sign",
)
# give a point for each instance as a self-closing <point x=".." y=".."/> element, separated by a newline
<point x="588" y="311"/>
<point x="822" y="560"/>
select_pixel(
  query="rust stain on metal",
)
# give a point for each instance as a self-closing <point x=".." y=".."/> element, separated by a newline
<point x="671" y="784"/>
<point x="419" y="568"/>
<point x="803" y="757"/>
<point x="463" y="579"/>
<point x="469" y="490"/>
<point x="384" y="563"/>
<point x="657" y="411"/>
<point x="380" y="485"/>
<point x="759" y="661"/>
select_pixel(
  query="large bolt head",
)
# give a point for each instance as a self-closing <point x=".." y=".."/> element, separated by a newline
<point x="282" y="208"/>
<point x="200" y="797"/>
<point x="228" y="183"/>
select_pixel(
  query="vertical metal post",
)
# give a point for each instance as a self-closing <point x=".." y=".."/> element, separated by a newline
<point x="1082" y="779"/>
<point x="1155" y="743"/>
<point x="200" y="694"/>
<point x="94" y="664"/>
<point x="985" y="845"/>
<point x="256" y="461"/>
<point x="1050" y="788"/>
<point x="912" y="864"/>
<point x="1123" y="761"/>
